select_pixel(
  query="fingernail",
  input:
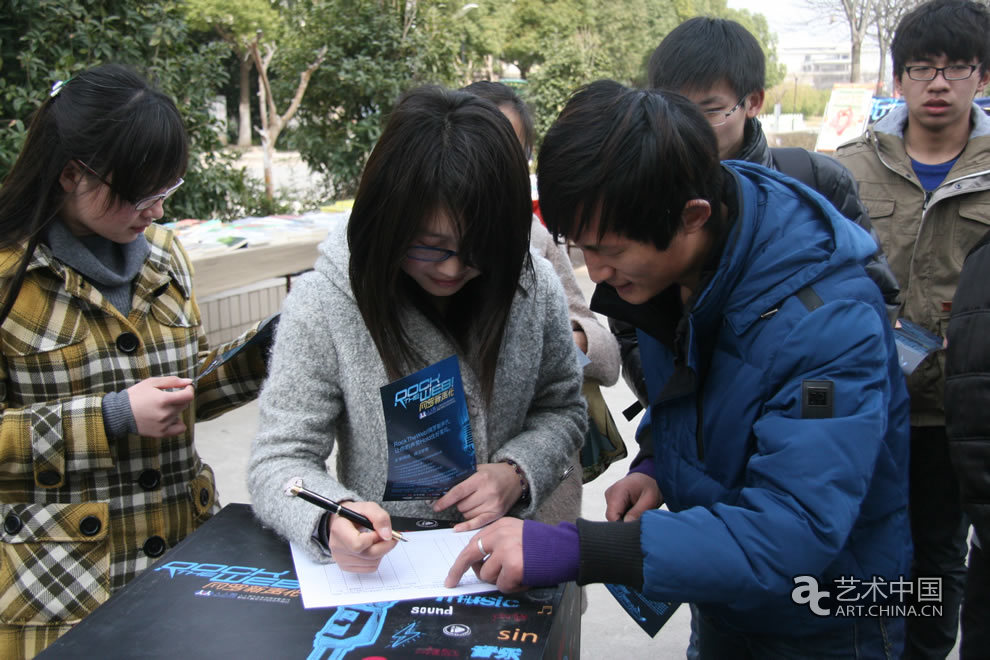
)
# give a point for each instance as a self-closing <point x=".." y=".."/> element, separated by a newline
<point x="387" y="533"/>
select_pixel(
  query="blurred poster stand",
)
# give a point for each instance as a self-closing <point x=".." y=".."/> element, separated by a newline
<point x="846" y="114"/>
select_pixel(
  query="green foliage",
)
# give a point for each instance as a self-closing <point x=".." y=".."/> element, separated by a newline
<point x="42" y="41"/>
<point x="236" y="22"/>
<point x="376" y="50"/>
<point x="611" y="40"/>
<point x="572" y="64"/>
<point x="800" y="99"/>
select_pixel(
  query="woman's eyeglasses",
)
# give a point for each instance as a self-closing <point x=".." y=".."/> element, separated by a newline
<point x="145" y="202"/>
<point x="427" y="253"/>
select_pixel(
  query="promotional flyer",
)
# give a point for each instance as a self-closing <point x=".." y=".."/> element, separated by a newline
<point x="429" y="433"/>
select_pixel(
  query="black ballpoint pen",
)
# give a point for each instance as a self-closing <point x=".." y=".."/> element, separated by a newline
<point x="295" y="488"/>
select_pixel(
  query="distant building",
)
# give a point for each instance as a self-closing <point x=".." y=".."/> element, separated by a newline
<point x="823" y="65"/>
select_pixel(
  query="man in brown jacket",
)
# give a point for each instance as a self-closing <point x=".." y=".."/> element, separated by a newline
<point x="924" y="176"/>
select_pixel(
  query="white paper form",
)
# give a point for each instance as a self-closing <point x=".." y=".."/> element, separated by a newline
<point x="413" y="569"/>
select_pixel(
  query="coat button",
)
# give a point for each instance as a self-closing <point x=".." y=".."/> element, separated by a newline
<point x="154" y="547"/>
<point x="204" y="497"/>
<point x="49" y="478"/>
<point x="127" y="342"/>
<point x="90" y="526"/>
<point x="150" y="479"/>
<point x="12" y="524"/>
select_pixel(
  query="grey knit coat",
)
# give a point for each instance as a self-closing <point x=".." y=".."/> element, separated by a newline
<point x="603" y="348"/>
<point x="323" y="391"/>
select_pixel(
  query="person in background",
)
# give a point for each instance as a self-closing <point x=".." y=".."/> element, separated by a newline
<point x="924" y="174"/>
<point x="720" y="66"/>
<point x="590" y="335"/>
<point x="434" y="261"/>
<point x="777" y="454"/>
<point x="967" y="425"/>
<point x="101" y="341"/>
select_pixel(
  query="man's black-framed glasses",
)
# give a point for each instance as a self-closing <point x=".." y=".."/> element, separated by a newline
<point x="145" y="202"/>
<point x="427" y="253"/>
<point x="719" y="117"/>
<point x="926" y="73"/>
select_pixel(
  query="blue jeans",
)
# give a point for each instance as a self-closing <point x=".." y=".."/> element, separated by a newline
<point x="938" y="529"/>
<point x="863" y="638"/>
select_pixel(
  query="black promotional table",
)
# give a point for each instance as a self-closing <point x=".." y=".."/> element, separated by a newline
<point x="229" y="590"/>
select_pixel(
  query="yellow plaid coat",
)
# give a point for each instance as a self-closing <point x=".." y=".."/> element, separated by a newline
<point x="82" y="514"/>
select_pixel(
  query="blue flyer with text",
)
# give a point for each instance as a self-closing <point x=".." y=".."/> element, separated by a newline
<point x="430" y="448"/>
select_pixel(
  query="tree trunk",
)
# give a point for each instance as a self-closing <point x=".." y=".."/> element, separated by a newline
<point x="854" y="66"/>
<point x="244" y="104"/>
<point x="266" y="143"/>
<point x="882" y="71"/>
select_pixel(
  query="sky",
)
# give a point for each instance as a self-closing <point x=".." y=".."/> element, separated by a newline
<point x="796" y="24"/>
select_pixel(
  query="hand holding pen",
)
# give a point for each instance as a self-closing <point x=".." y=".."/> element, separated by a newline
<point x="353" y="548"/>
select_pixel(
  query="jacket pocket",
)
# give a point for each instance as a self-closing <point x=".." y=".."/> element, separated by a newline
<point x="54" y="562"/>
<point x="881" y="212"/>
<point x="973" y="223"/>
<point x="44" y="324"/>
<point x="46" y="344"/>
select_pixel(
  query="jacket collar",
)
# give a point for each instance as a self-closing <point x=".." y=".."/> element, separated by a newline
<point x="887" y="138"/>
<point x="755" y="148"/>
<point x="160" y="266"/>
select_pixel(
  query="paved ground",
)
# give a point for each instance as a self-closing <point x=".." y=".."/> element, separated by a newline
<point x="606" y="630"/>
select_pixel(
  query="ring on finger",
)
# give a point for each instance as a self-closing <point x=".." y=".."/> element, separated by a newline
<point x="482" y="549"/>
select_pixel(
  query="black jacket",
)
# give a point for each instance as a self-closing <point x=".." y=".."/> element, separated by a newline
<point x="967" y="387"/>
<point x="823" y="173"/>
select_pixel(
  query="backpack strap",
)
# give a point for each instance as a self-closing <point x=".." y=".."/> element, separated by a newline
<point x="795" y="162"/>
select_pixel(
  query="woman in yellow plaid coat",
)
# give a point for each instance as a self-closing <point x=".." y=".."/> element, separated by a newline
<point x="100" y="340"/>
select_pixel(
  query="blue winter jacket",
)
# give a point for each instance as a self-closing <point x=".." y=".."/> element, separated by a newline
<point x="779" y="419"/>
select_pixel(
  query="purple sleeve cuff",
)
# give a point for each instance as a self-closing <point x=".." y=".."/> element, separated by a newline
<point x="550" y="554"/>
<point x="645" y="466"/>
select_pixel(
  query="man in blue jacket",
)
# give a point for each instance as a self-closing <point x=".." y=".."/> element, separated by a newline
<point x="779" y="412"/>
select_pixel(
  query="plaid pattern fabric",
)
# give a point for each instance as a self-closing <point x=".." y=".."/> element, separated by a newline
<point x="80" y="512"/>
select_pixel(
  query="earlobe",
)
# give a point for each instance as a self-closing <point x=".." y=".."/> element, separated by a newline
<point x="695" y="214"/>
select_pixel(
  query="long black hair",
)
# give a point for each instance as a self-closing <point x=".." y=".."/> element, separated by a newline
<point x="107" y="119"/>
<point x="445" y="152"/>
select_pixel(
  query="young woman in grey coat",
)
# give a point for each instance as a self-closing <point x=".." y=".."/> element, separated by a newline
<point x="434" y="262"/>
